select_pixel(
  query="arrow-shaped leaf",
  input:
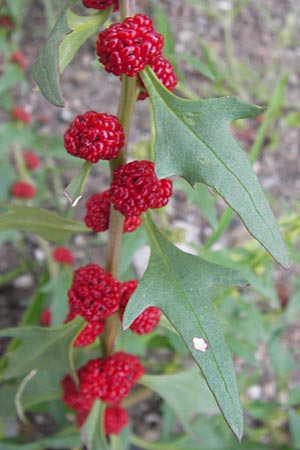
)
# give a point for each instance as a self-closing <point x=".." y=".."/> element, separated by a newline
<point x="41" y="348"/>
<point x="193" y="141"/>
<point x="178" y="283"/>
<point x="49" y="225"/>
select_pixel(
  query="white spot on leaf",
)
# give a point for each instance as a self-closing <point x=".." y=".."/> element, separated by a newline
<point x="200" y="344"/>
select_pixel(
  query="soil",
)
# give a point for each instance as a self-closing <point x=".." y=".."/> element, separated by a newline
<point x="258" y="40"/>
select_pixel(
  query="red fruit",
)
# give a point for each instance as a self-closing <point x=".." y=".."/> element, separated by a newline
<point x="149" y="318"/>
<point x="131" y="223"/>
<point x="94" y="294"/>
<point x="46" y="317"/>
<point x="6" y="22"/>
<point x="74" y="398"/>
<point x="115" y="419"/>
<point x="111" y="378"/>
<point x="101" y="4"/>
<point x="127" y="47"/>
<point x="135" y="188"/>
<point x="20" y="114"/>
<point x="63" y="255"/>
<point x="108" y="379"/>
<point x="97" y="211"/>
<point x="93" y="136"/>
<point x="89" y="333"/>
<point x="20" y="59"/>
<point x="31" y="160"/>
<point x="97" y="214"/>
<point x="164" y="71"/>
<point x="22" y="189"/>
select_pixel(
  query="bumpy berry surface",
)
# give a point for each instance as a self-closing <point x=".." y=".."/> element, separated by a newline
<point x="20" y="114"/>
<point x="115" y="419"/>
<point x="31" y="159"/>
<point x="101" y="4"/>
<point x="135" y="188"/>
<point x="74" y="398"/>
<point x="98" y="210"/>
<point x="111" y="378"/>
<point x="63" y="255"/>
<point x="22" y="189"/>
<point x="131" y="223"/>
<point x="93" y="136"/>
<point x="164" y="71"/>
<point x="149" y="318"/>
<point x="127" y="47"/>
<point x="88" y="335"/>
<point x="94" y="294"/>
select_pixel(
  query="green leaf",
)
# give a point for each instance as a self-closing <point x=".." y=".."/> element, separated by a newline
<point x="92" y="431"/>
<point x="294" y="425"/>
<point x="195" y="62"/>
<point x="49" y="225"/>
<point x="193" y="141"/>
<point x="11" y="75"/>
<point x="65" y="439"/>
<point x="82" y="28"/>
<point x="41" y="348"/>
<point x="201" y="198"/>
<point x="44" y="386"/>
<point x="74" y="190"/>
<point x="186" y="393"/>
<point x="45" y="70"/>
<point x="12" y="132"/>
<point x="178" y="283"/>
<point x="58" y="290"/>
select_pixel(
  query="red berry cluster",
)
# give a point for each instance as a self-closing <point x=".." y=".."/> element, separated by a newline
<point x="95" y="295"/>
<point x="93" y="136"/>
<point x="21" y="115"/>
<point x="108" y="379"/>
<point x="98" y="210"/>
<point x="63" y="255"/>
<point x="20" y="59"/>
<point x="128" y="47"/>
<point x="101" y="4"/>
<point x="24" y="190"/>
<point x="124" y="49"/>
<point x="164" y="71"/>
<point x="31" y="159"/>
<point x="146" y="321"/>
<point x="135" y="188"/>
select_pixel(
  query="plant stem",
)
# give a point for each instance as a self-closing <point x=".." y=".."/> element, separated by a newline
<point x="116" y="220"/>
<point x="20" y="164"/>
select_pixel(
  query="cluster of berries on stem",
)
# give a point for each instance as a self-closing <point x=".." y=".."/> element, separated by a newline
<point x="124" y="49"/>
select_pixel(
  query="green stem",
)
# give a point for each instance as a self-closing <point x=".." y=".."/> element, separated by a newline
<point x="20" y="164"/>
<point x="116" y="220"/>
<point x="52" y="266"/>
